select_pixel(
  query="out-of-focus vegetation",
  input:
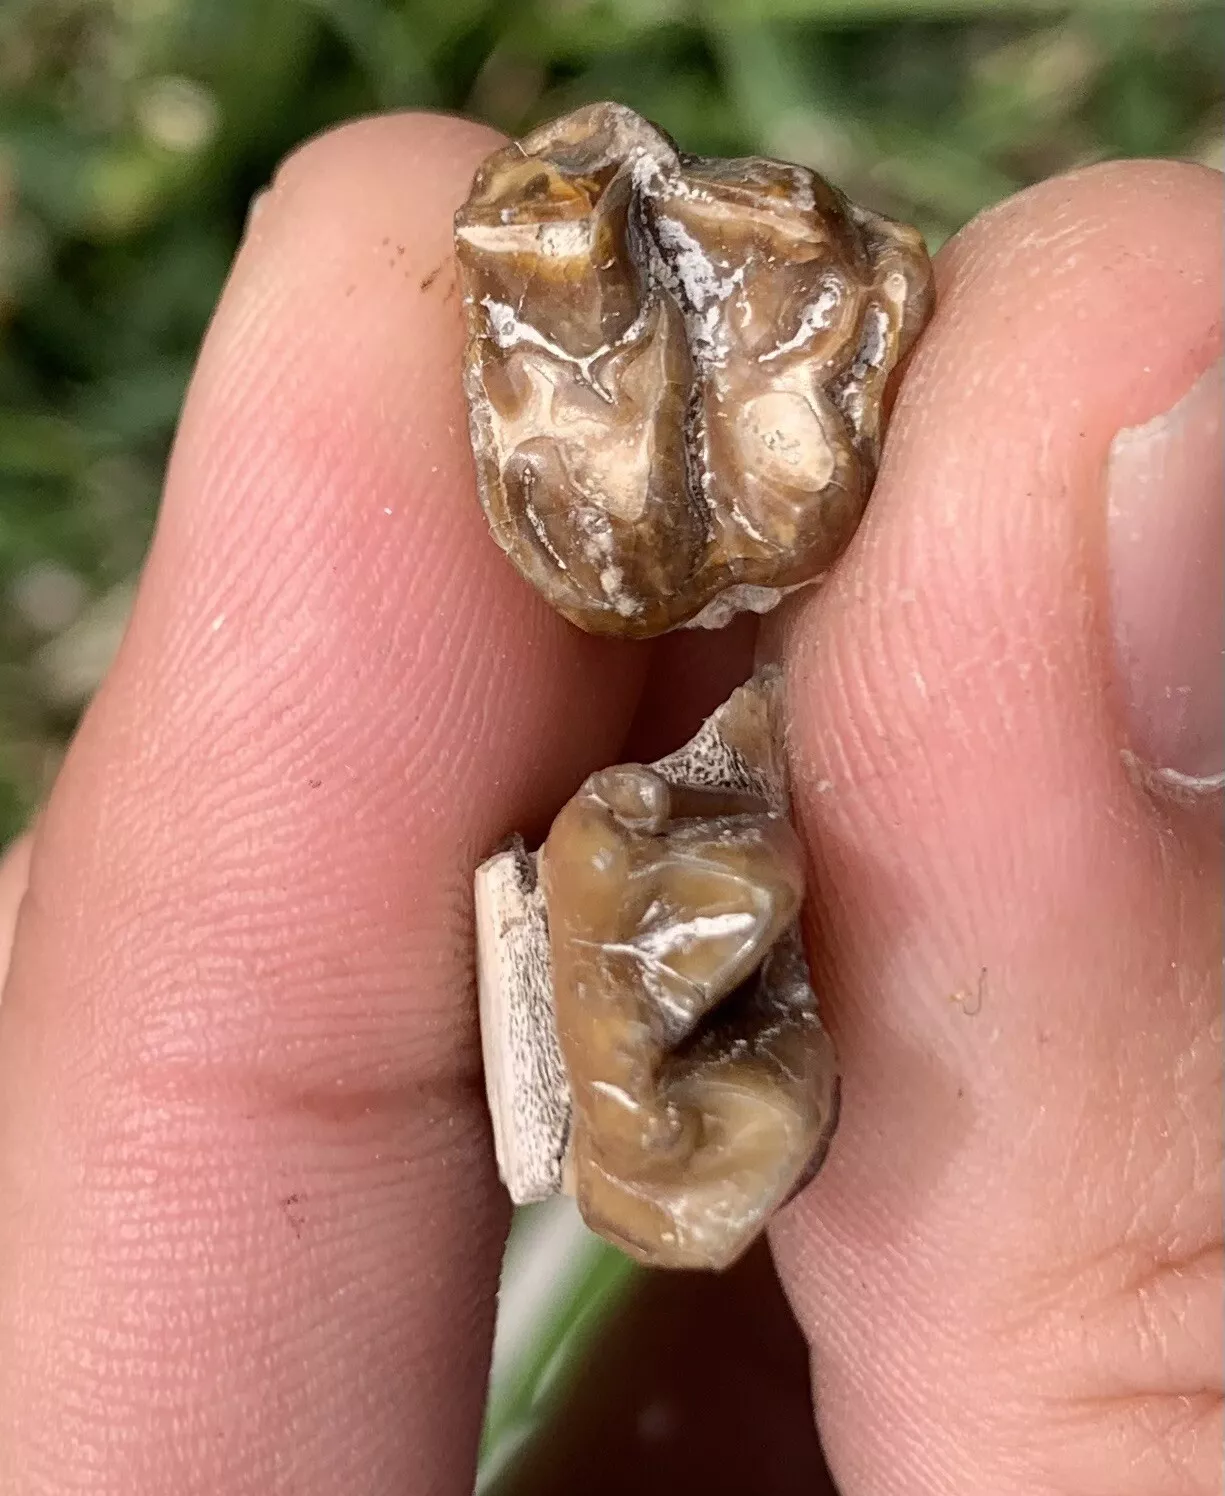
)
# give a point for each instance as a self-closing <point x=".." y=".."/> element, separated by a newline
<point x="133" y="134"/>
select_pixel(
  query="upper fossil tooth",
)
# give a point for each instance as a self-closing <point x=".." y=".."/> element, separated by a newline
<point x="675" y="368"/>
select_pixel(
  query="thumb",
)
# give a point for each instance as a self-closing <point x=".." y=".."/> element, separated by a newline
<point x="1010" y="1269"/>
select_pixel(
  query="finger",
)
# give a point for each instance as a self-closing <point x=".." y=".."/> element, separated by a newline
<point x="254" y="1227"/>
<point x="14" y="874"/>
<point x="1009" y="1270"/>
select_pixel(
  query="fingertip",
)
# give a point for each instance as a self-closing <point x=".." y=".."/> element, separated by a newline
<point x="343" y="303"/>
<point x="960" y="759"/>
<point x="389" y="182"/>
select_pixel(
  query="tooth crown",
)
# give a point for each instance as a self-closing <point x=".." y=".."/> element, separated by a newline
<point x="675" y="369"/>
<point x="676" y="375"/>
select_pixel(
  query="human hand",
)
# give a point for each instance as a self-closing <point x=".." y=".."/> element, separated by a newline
<point x="252" y="1226"/>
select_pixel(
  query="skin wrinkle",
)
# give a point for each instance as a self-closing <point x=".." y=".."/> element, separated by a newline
<point x="1160" y="1446"/>
<point x="261" y="1293"/>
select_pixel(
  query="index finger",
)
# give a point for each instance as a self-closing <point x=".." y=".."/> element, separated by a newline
<point x="252" y="1231"/>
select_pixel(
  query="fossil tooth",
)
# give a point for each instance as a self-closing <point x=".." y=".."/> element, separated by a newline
<point x="675" y="368"/>
<point x="652" y="1040"/>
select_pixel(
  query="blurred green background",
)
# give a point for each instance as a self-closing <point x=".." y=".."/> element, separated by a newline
<point x="133" y="134"/>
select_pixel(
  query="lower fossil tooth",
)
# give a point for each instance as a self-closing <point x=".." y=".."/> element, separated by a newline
<point x="652" y="1041"/>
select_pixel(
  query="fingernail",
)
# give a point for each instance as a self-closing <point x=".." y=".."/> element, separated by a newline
<point x="1166" y="554"/>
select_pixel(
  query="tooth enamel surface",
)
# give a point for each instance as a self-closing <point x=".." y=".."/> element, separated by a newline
<point x="675" y="368"/>
<point x="700" y="1087"/>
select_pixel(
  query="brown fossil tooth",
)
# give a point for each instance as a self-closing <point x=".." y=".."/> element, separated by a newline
<point x="675" y="368"/>
<point x="676" y="1066"/>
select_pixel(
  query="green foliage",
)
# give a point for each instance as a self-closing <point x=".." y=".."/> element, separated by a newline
<point x="133" y="134"/>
